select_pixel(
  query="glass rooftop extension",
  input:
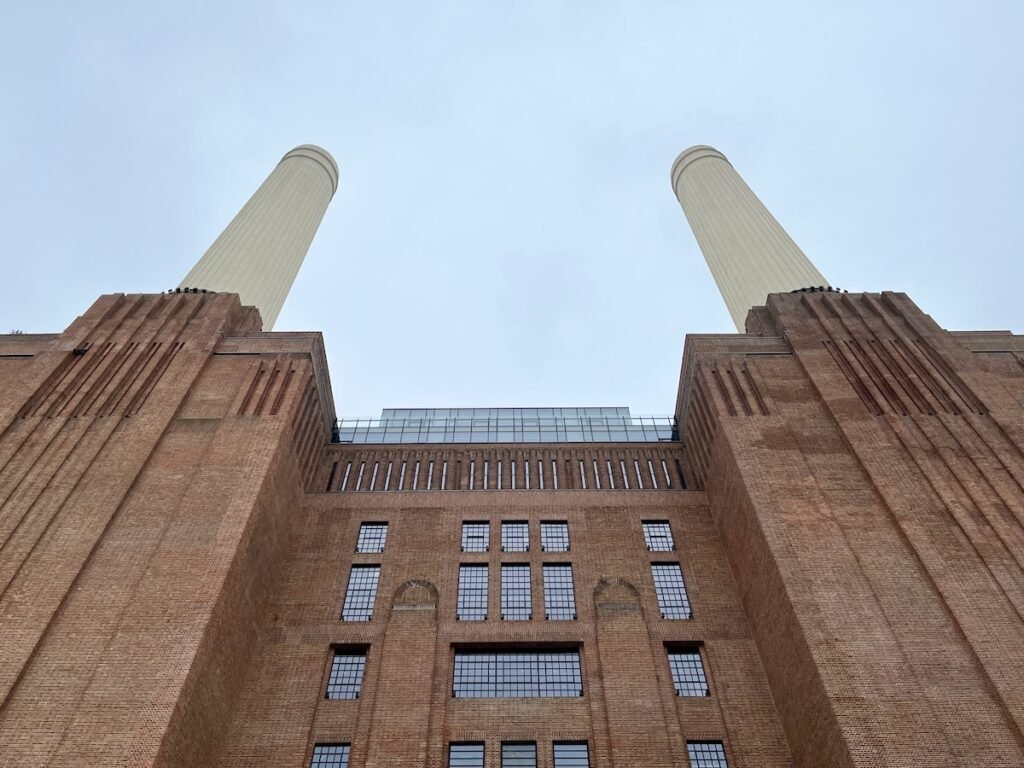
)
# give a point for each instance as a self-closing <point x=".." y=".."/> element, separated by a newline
<point x="506" y="425"/>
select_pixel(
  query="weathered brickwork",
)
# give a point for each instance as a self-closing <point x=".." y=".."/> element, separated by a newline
<point x="177" y="536"/>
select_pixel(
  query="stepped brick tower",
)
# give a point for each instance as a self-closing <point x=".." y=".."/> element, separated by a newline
<point x="818" y="560"/>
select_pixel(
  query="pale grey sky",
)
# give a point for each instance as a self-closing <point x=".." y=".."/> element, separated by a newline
<point x="504" y="232"/>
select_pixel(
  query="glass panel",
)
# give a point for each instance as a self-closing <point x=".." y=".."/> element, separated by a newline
<point x="706" y="754"/>
<point x="516" y="599"/>
<point x="559" y="598"/>
<point x="346" y="675"/>
<point x="571" y="754"/>
<point x="515" y="537"/>
<point x="372" y="537"/>
<point x="671" y="590"/>
<point x="330" y="756"/>
<point x="658" y="536"/>
<point x="476" y="537"/>
<point x="517" y="674"/>
<point x="518" y="755"/>
<point x="554" y="537"/>
<point x="472" y="598"/>
<point x="361" y="593"/>
<point x="688" y="673"/>
<point x="465" y="756"/>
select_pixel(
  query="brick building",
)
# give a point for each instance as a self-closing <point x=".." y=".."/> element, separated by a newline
<point x="816" y="562"/>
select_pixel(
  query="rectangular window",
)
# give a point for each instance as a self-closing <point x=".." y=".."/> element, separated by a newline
<point x="516" y="601"/>
<point x="476" y="537"/>
<point x="559" y="598"/>
<point x="472" y="599"/>
<point x="372" y="537"/>
<point x="346" y="674"/>
<point x="668" y="583"/>
<point x="373" y="476"/>
<point x="517" y="674"/>
<point x="361" y="593"/>
<point x="515" y="537"/>
<point x="597" y="476"/>
<point x="540" y="473"/>
<point x="518" y="754"/>
<point x="706" y="754"/>
<point x="554" y="537"/>
<point x="330" y="756"/>
<point x="487" y="472"/>
<point x="387" y="477"/>
<point x="359" y="479"/>
<point x="688" y="672"/>
<point x="465" y="755"/>
<point x="658" y="535"/>
<point x="344" y="480"/>
<point x="571" y="754"/>
<point x="611" y="476"/>
<point x="583" y="476"/>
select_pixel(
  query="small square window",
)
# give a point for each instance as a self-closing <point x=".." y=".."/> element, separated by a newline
<point x="658" y="536"/>
<point x="372" y="537"/>
<point x="330" y="756"/>
<point x="554" y="537"/>
<point x="476" y="537"/>
<point x="706" y="754"/>
<point x="515" y="537"/>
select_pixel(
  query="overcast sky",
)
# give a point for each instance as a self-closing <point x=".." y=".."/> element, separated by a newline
<point x="505" y="233"/>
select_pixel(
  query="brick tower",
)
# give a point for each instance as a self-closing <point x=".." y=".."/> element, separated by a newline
<point x="817" y="561"/>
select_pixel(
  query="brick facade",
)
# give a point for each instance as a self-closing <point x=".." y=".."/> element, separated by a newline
<point x="177" y="533"/>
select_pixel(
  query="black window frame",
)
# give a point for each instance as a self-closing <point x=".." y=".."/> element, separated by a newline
<point x="673" y="598"/>
<point x="559" y="600"/>
<point x="570" y="756"/>
<point x="469" y="530"/>
<point x="657" y="532"/>
<point x="466" y="758"/>
<point x="324" y="755"/>
<point x="516" y="592"/>
<point x="517" y="672"/>
<point x="515" y="536"/>
<point x="686" y="665"/>
<point x="345" y="678"/>
<point x="371" y="529"/>
<point x="550" y="541"/>
<point x="471" y="600"/>
<point x="354" y="592"/>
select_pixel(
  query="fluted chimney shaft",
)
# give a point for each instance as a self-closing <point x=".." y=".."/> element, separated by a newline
<point x="259" y="254"/>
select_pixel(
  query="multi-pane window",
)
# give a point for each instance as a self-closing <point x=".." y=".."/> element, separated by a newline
<point x="706" y="754"/>
<point x="372" y="537"/>
<point x="466" y="755"/>
<point x="688" y="672"/>
<point x="658" y="536"/>
<point x="518" y="754"/>
<point x="515" y="537"/>
<point x="516" y="601"/>
<point x="472" y="599"/>
<point x="554" y="537"/>
<point x="346" y="674"/>
<point x="361" y="593"/>
<point x="517" y="674"/>
<point x="668" y="583"/>
<point x="571" y="754"/>
<point x="330" y="756"/>
<point x="476" y="537"/>
<point x="559" y="598"/>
